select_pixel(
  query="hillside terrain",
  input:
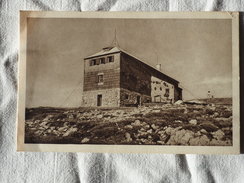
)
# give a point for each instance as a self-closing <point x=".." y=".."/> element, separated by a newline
<point x="202" y="123"/>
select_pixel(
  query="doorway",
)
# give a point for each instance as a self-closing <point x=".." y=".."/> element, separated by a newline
<point x="138" y="100"/>
<point x="99" y="100"/>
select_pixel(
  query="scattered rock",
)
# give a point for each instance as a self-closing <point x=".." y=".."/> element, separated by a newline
<point x="136" y="123"/>
<point x="193" y="121"/>
<point x="216" y="114"/>
<point x="179" y="102"/>
<point x="160" y="124"/>
<point x="226" y="129"/>
<point x="155" y="127"/>
<point x="222" y="119"/>
<point x="169" y="130"/>
<point x="209" y="127"/>
<point x="128" y="137"/>
<point x="71" y="116"/>
<point x="100" y="116"/>
<point x="69" y="132"/>
<point x="146" y="126"/>
<point x="85" y="140"/>
<point x="203" y="131"/>
<point x="160" y="142"/>
<point x="178" y="121"/>
<point x="128" y="126"/>
<point x="61" y="129"/>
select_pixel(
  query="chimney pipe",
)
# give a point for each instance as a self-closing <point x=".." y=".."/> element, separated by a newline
<point x="158" y="67"/>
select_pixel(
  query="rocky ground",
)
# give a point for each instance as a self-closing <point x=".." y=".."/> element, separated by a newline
<point x="169" y="124"/>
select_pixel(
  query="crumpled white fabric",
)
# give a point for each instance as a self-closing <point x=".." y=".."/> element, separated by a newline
<point x="90" y="167"/>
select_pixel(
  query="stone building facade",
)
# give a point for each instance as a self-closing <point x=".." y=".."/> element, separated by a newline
<point x="114" y="78"/>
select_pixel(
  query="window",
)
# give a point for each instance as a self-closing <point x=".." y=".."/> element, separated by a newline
<point x="100" y="78"/>
<point x="166" y="92"/>
<point x="102" y="60"/>
<point x="97" y="61"/>
<point x="155" y="88"/>
<point x="126" y="96"/>
<point x="110" y="58"/>
<point x="92" y="62"/>
<point x="161" y="88"/>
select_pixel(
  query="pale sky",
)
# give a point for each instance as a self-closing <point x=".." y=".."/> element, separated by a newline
<point x="197" y="53"/>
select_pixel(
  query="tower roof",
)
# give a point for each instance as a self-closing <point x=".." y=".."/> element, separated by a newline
<point x="106" y="51"/>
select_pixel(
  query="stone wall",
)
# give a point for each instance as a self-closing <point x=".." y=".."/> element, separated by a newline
<point x="110" y="98"/>
<point x="129" y="98"/>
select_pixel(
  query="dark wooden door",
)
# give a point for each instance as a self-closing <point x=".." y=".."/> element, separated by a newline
<point x="99" y="100"/>
<point x="138" y="100"/>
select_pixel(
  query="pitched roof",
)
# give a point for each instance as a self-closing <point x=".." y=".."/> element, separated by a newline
<point x="116" y="49"/>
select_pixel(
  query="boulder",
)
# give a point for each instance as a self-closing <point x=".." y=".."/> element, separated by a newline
<point x="215" y="142"/>
<point x="219" y="134"/>
<point x="172" y="131"/>
<point x="179" y="135"/>
<point x="194" y="141"/>
<point x="169" y="130"/>
<point x="198" y="134"/>
<point x="186" y="137"/>
<point x="204" y="140"/>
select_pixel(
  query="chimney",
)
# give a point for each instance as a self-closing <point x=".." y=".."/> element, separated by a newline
<point x="158" y="67"/>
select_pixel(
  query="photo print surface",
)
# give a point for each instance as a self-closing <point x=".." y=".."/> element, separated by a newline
<point x="161" y="82"/>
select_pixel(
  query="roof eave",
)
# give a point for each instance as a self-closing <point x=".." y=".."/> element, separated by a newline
<point x="89" y="57"/>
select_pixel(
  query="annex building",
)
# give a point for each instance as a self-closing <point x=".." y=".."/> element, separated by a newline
<point x="115" y="78"/>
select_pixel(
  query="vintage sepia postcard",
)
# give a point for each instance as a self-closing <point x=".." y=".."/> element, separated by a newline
<point x="129" y="82"/>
